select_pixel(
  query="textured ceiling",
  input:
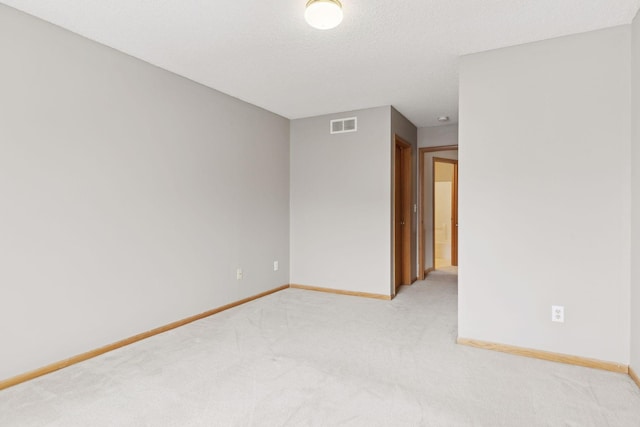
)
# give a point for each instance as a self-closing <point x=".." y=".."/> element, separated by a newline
<point x="401" y="53"/>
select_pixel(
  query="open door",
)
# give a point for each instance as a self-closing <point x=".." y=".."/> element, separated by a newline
<point x="454" y="217"/>
<point x="445" y="213"/>
<point x="402" y="213"/>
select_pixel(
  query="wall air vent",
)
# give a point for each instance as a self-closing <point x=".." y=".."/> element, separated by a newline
<point x="344" y="125"/>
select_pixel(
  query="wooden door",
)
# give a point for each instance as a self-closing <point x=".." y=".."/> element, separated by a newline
<point x="402" y="213"/>
<point x="398" y="218"/>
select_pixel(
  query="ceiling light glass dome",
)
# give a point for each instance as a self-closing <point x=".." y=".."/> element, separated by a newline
<point x="323" y="14"/>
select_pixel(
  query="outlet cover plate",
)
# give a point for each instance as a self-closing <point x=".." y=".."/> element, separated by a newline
<point x="557" y="313"/>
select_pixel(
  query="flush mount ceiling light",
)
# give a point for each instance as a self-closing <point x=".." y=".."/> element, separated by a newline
<point x="443" y="119"/>
<point x="323" y="14"/>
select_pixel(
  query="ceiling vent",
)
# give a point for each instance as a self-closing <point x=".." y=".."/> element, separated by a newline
<point x="344" y="125"/>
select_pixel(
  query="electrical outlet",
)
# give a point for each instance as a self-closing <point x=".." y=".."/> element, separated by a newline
<point x="239" y="274"/>
<point x="276" y="266"/>
<point x="557" y="313"/>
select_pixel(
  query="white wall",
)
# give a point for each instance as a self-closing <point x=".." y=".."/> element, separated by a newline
<point x="129" y="196"/>
<point x="635" y="183"/>
<point x="341" y="203"/>
<point x="406" y="130"/>
<point x="545" y="195"/>
<point x="436" y="136"/>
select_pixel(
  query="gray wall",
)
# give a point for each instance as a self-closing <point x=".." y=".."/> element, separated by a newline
<point x="635" y="185"/>
<point x="436" y="136"/>
<point x="406" y="130"/>
<point x="129" y="196"/>
<point x="545" y="195"/>
<point x="340" y="203"/>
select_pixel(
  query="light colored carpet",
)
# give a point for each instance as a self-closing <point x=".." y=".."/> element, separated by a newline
<point x="302" y="358"/>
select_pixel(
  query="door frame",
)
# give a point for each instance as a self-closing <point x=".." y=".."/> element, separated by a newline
<point x="406" y="187"/>
<point x="454" y="209"/>
<point x="422" y="271"/>
<point x="454" y="220"/>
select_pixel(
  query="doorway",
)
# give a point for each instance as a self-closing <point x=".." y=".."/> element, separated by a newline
<point x="445" y="214"/>
<point x="402" y="213"/>
<point x="425" y="206"/>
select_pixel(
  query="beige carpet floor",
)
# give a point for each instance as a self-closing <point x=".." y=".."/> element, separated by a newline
<point x="302" y="358"/>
